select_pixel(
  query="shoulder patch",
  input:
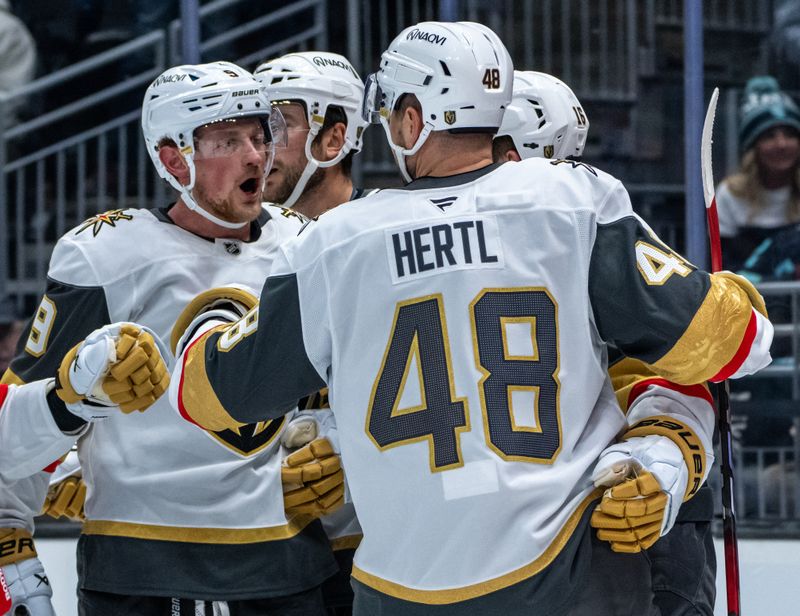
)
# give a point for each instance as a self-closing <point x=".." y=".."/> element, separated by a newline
<point x="110" y="218"/>
<point x="575" y="164"/>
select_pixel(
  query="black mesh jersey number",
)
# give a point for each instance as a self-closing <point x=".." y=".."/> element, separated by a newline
<point x="419" y="338"/>
<point x="534" y="371"/>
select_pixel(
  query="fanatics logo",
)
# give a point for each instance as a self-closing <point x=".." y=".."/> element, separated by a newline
<point x="450" y="117"/>
<point x="444" y="202"/>
<point x="109" y="218"/>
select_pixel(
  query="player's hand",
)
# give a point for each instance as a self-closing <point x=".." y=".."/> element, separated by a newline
<point x="119" y="365"/>
<point x="300" y="431"/>
<point x="313" y="480"/>
<point x="66" y="499"/>
<point x="29" y="590"/>
<point x="646" y="479"/>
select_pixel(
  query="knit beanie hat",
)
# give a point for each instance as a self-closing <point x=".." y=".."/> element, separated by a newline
<point x="764" y="107"/>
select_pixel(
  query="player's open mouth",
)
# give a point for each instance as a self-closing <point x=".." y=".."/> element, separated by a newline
<point x="249" y="186"/>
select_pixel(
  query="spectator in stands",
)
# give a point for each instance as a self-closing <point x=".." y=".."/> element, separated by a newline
<point x="764" y="194"/>
<point x="17" y="55"/>
<point x="776" y="258"/>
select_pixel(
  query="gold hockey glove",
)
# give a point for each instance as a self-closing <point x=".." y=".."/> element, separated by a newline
<point x="631" y="514"/>
<point x="117" y="365"/>
<point x="313" y="480"/>
<point x="66" y="499"/>
<point x="659" y="463"/>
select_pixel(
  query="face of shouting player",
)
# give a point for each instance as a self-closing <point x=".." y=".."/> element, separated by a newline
<point x="290" y="161"/>
<point x="231" y="159"/>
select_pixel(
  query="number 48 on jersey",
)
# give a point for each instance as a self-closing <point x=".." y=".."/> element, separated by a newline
<point x="419" y="337"/>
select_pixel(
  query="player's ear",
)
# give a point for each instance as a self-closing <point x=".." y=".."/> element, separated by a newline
<point x="332" y="141"/>
<point x="511" y="156"/>
<point x="174" y="161"/>
<point x="411" y="125"/>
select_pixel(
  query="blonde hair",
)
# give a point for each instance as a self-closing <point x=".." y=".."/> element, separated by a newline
<point x="746" y="184"/>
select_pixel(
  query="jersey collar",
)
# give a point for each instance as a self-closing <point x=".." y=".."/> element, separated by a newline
<point x="255" y="227"/>
<point x="450" y="180"/>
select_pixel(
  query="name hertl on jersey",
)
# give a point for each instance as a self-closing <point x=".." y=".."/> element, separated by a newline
<point x="461" y="327"/>
<point x="171" y="509"/>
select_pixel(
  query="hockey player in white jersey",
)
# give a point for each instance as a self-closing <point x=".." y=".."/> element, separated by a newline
<point x="91" y="377"/>
<point x="545" y="119"/>
<point x="460" y="324"/>
<point x="319" y="95"/>
<point x="178" y="519"/>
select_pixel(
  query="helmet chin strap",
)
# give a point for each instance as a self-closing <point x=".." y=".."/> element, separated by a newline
<point x="400" y="153"/>
<point x="312" y="165"/>
<point x="189" y="201"/>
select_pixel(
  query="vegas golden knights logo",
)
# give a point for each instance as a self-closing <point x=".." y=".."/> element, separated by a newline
<point x="251" y="438"/>
<point x="110" y="219"/>
<point x="450" y="117"/>
<point x="548" y="151"/>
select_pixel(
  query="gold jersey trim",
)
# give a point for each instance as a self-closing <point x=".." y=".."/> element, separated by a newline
<point x="197" y="399"/>
<point x="196" y="534"/>
<point x="454" y="595"/>
<point x="350" y="542"/>
<point x="9" y="378"/>
<point x="713" y="336"/>
<point x="202" y="302"/>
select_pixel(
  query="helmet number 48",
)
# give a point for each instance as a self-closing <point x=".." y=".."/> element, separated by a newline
<point x="491" y="79"/>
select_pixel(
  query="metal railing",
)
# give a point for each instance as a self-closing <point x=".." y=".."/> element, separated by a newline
<point x="45" y="188"/>
<point x="87" y="155"/>
<point x="725" y="15"/>
<point x="768" y="482"/>
<point x="593" y="45"/>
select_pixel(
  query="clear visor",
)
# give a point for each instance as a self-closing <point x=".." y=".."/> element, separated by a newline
<point x="254" y="134"/>
<point x="375" y="104"/>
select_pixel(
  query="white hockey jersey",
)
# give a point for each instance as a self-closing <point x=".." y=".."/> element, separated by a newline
<point x="20" y="496"/>
<point x="461" y="326"/>
<point x="172" y="510"/>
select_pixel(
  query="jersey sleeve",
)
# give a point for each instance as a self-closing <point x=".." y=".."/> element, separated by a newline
<point x="260" y="366"/>
<point x="68" y="312"/>
<point x="657" y="406"/>
<point x="30" y="437"/>
<point x="20" y="501"/>
<point x="687" y="325"/>
<point x="36" y="433"/>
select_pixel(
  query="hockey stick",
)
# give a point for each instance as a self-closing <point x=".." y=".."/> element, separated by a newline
<point x="720" y="390"/>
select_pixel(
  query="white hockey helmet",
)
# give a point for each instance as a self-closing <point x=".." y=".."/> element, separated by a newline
<point x="319" y="79"/>
<point x="460" y="72"/>
<point x="184" y="98"/>
<point x="545" y="118"/>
